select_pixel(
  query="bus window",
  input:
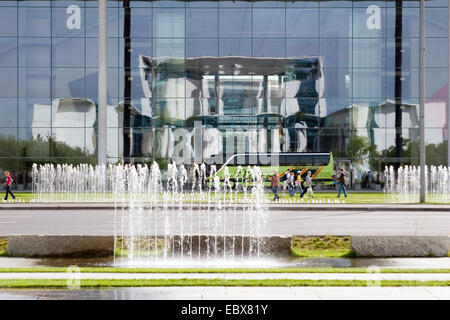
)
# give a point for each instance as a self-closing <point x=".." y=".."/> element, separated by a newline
<point x="306" y="160"/>
<point x="284" y="160"/>
<point x="293" y="159"/>
<point x="322" y="160"/>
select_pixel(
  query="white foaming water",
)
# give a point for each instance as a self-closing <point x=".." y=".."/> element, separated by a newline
<point x="182" y="217"/>
<point x="403" y="186"/>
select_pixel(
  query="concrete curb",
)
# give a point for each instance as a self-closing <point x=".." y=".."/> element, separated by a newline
<point x="400" y="246"/>
<point x="283" y="207"/>
<point x="97" y="246"/>
<point x="60" y="246"/>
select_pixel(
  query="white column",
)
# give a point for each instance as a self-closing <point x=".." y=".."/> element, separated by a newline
<point x="422" y="103"/>
<point x="448" y="98"/>
<point x="102" y="82"/>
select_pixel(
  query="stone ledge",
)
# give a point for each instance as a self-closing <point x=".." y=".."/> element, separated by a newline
<point x="232" y="245"/>
<point x="400" y="246"/>
<point x="60" y="246"/>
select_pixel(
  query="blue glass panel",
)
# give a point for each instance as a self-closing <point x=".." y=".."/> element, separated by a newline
<point x="436" y="54"/>
<point x="168" y="22"/>
<point x="302" y="23"/>
<point x="235" y="4"/>
<point x="34" y="22"/>
<point x="268" y="4"/>
<point x="336" y="52"/>
<point x="302" y="4"/>
<point x="8" y="22"/>
<point x="369" y="53"/>
<point x="297" y="48"/>
<point x="202" y="4"/>
<point x="168" y="3"/>
<point x="235" y="23"/>
<point x="34" y="52"/>
<point x="68" y="82"/>
<point x="8" y="52"/>
<point x="8" y="106"/>
<point x="68" y="52"/>
<point x="336" y="22"/>
<point x="34" y="82"/>
<point x="235" y="47"/>
<point x="272" y="48"/>
<point x="269" y="23"/>
<point x="202" y="23"/>
<point x="436" y="22"/>
<point x="201" y="48"/>
<point x="8" y="82"/>
<point x="335" y="3"/>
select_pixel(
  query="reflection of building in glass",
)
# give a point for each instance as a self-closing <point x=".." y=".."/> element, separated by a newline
<point x="267" y="103"/>
<point x="371" y="121"/>
<point x="67" y="113"/>
<point x="274" y="75"/>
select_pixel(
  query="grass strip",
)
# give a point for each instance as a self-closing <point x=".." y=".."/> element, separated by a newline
<point x="4" y="247"/>
<point x="321" y="247"/>
<point x="214" y="270"/>
<point x="116" y="283"/>
<point x="357" y="197"/>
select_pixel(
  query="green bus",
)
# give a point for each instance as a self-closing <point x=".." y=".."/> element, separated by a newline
<point x="320" y="164"/>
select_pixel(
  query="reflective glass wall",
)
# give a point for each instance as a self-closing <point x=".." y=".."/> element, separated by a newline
<point x="251" y="76"/>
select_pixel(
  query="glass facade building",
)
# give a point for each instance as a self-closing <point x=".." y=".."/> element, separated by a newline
<point x="269" y="76"/>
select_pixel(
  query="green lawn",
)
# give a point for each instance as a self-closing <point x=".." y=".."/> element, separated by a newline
<point x="323" y="197"/>
<point x="115" y="283"/>
<point x="321" y="247"/>
<point x="188" y="197"/>
<point x="215" y="270"/>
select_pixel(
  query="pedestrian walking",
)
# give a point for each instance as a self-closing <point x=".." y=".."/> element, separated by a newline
<point x="7" y="184"/>
<point x="275" y="184"/>
<point x="308" y="186"/>
<point x="341" y="182"/>
<point x="285" y="181"/>
<point x="298" y="183"/>
<point x="290" y="181"/>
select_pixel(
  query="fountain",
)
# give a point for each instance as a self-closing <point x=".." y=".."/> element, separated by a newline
<point x="176" y="217"/>
<point x="403" y="186"/>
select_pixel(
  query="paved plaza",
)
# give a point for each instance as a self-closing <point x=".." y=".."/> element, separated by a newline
<point x="236" y="293"/>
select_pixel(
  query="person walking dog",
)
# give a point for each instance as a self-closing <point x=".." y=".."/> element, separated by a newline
<point x="275" y="183"/>
<point x="8" y="183"/>
<point x="341" y="182"/>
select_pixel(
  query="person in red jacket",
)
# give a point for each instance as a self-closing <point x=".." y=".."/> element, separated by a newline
<point x="8" y="183"/>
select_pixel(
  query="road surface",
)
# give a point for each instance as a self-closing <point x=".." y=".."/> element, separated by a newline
<point x="278" y="222"/>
